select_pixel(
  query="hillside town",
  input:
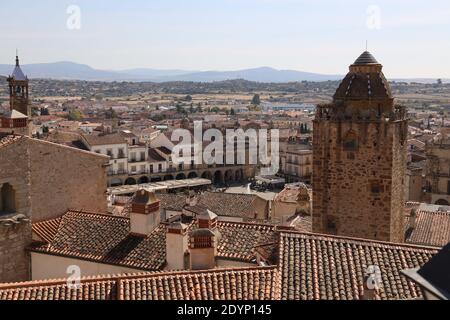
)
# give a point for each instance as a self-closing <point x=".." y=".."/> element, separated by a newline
<point x="95" y="204"/>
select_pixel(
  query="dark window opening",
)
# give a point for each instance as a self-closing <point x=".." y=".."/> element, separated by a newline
<point x="7" y="199"/>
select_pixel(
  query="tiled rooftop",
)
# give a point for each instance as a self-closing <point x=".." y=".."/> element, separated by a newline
<point x="315" y="266"/>
<point x="7" y="139"/>
<point x="311" y="266"/>
<point x="96" y="139"/>
<point x="103" y="238"/>
<point x="172" y="201"/>
<point x="227" y="204"/>
<point x="106" y="239"/>
<point x="96" y="288"/>
<point x="224" y="284"/>
<point x="239" y="239"/>
<point x="432" y="228"/>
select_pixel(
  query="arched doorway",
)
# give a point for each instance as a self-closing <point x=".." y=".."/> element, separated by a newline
<point x="130" y="181"/>
<point x="168" y="177"/>
<point x="218" y="176"/>
<point x="228" y="176"/>
<point x="180" y="176"/>
<point x="206" y="175"/>
<point x="116" y="182"/>
<point x="192" y="175"/>
<point x="155" y="179"/>
<point x="143" y="179"/>
<point x="7" y="199"/>
<point x="442" y="202"/>
<point x="238" y="175"/>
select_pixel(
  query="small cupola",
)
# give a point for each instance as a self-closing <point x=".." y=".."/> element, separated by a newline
<point x="145" y="214"/>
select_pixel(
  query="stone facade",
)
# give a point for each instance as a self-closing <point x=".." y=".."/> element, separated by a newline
<point x="359" y="158"/>
<point x="40" y="180"/>
<point x="437" y="175"/>
<point x="14" y="237"/>
<point x="63" y="177"/>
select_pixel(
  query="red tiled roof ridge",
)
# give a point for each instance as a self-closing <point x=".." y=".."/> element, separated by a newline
<point x="246" y="223"/>
<point x="196" y="272"/>
<point x="56" y="281"/>
<point x="433" y="212"/>
<point x="133" y="276"/>
<point x="84" y="212"/>
<point x="231" y="194"/>
<point x="8" y="139"/>
<point x="355" y="239"/>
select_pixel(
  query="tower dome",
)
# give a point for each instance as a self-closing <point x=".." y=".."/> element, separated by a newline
<point x="364" y="82"/>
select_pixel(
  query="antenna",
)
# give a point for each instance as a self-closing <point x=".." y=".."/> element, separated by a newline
<point x="366" y="45"/>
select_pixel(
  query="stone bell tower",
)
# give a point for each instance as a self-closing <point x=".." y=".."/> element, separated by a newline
<point x="18" y="91"/>
<point x="359" y="157"/>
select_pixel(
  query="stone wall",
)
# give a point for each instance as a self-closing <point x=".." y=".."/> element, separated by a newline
<point x="47" y="179"/>
<point x="359" y="192"/>
<point x="63" y="178"/>
<point x="14" y="237"/>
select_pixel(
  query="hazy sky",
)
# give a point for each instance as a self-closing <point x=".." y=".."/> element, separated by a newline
<point x="411" y="38"/>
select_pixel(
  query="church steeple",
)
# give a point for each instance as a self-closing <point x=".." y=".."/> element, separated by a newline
<point x="18" y="90"/>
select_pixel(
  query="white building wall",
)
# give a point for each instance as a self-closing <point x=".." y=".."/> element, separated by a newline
<point x="44" y="266"/>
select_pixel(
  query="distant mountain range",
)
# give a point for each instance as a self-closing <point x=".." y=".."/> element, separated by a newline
<point x="74" y="71"/>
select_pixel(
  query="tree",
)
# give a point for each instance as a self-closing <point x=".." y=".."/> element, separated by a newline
<point x="111" y="114"/>
<point x="232" y="112"/>
<point x="74" y="115"/>
<point x="188" y="98"/>
<point x="439" y="81"/>
<point x="256" y="100"/>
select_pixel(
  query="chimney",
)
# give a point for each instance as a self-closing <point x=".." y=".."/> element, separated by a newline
<point x="370" y="291"/>
<point x="203" y="241"/>
<point x="176" y="245"/>
<point x="144" y="215"/>
<point x="207" y="219"/>
<point x="202" y="249"/>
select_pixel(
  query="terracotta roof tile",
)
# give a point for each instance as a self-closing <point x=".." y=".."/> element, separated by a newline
<point x="311" y="266"/>
<point x="221" y="284"/>
<point x="227" y="204"/>
<point x="315" y="266"/>
<point x="7" y="139"/>
<point x="238" y="240"/>
<point x="47" y="230"/>
<point x="96" y="288"/>
<point x="106" y="239"/>
<point x="432" y="228"/>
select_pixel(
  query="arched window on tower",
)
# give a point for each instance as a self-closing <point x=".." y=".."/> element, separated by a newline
<point x="350" y="142"/>
<point x="7" y="199"/>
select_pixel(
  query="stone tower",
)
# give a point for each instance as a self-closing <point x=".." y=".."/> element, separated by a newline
<point x="359" y="158"/>
<point x="18" y="91"/>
